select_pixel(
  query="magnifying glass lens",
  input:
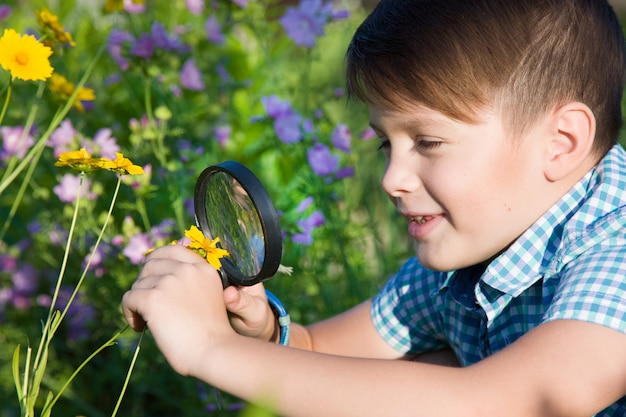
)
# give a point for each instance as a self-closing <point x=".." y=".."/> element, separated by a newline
<point x="231" y="204"/>
<point x="232" y="216"/>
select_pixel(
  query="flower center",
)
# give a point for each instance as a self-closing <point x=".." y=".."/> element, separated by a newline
<point x="21" y="58"/>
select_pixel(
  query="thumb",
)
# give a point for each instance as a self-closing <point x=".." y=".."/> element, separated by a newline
<point x="244" y="301"/>
<point x="249" y="311"/>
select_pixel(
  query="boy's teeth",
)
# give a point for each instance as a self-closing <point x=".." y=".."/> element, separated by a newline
<point x="419" y="219"/>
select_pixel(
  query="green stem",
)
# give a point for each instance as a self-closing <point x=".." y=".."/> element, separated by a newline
<point x="54" y="123"/>
<point x="128" y="374"/>
<point x="31" y="167"/>
<point x="110" y="342"/>
<point x="47" y="333"/>
<point x="94" y="250"/>
<point x="6" y="101"/>
<point x="143" y="212"/>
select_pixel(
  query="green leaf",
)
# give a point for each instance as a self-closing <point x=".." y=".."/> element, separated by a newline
<point x="47" y="409"/>
<point x="39" y="372"/>
<point x="16" y="372"/>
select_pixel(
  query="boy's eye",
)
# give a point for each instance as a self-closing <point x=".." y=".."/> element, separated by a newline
<point x="384" y="145"/>
<point x="425" y="145"/>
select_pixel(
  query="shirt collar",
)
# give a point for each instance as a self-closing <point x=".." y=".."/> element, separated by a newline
<point x="599" y="192"/>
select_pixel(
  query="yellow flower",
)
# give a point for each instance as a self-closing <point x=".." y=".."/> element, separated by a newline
<point x="53" y="29"/>
<point x="24" y="56"/>
<point x="206" y="248"/>
<point x="123" y="165"/>
<point x="82" y="161"/>
<point x="60" y="85"/>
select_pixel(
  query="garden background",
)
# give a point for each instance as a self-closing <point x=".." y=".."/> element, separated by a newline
<point x="177" y="86"/>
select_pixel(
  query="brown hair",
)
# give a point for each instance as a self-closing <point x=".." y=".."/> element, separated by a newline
<point x="460" y="56"/>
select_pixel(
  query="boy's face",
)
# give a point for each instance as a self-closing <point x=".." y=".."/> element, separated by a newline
<point x="467" y="190"/>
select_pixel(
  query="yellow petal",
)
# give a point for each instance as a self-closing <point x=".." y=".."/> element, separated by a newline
<point x="24" y="56"/>
<point x="195" y="235"/>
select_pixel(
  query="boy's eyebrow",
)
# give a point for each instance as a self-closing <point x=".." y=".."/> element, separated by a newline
<point x="425" y="123"/>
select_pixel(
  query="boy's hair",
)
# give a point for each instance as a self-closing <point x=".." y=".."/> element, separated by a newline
<point x="521" y="56"/>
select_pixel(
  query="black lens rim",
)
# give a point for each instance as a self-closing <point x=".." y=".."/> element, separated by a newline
<point x="265" y="211"/>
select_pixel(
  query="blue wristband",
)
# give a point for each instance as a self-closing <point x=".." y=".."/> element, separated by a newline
<point x="281" y="315"/>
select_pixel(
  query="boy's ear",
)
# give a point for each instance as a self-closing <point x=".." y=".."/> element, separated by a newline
<point x="574" y="128"/>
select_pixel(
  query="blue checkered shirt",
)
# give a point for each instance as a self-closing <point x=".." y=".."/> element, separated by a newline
<point x="570" y="264"/>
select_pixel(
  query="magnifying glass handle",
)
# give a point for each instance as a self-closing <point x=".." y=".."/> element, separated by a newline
<point x="224" y="278"/>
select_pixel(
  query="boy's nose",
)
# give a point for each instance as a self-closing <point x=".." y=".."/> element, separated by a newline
<point x="399" y="179"/>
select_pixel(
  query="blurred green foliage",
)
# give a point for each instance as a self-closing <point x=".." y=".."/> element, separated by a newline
<point x="171" y="129"/>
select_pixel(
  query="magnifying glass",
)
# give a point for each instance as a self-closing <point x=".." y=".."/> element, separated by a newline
<point x="231" y="203"/>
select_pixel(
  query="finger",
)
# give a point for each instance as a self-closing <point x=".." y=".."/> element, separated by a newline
<point x="164" y="266"/>
<point x="178" y="252"/>
<point x="240" y="300"/>
<point x="130" y="310"/>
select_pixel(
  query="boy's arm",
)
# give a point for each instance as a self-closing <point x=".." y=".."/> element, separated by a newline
<point x="351" y="333"/>
<point x="561" y="368"/>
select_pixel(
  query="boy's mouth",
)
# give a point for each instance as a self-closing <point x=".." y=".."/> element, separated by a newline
<point x="420" y="219"/>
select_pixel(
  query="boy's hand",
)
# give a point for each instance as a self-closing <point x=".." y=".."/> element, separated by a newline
<point x="249" y="312"/>
<point x="178" y="296"/>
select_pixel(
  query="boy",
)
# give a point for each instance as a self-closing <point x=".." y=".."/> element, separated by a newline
<point x="499" y="119"/>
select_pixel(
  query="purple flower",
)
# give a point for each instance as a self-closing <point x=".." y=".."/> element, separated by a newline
<point x="67" y="190"/>
<point x="190" y="76"/>
<point x="25" y="280"/>
<point x="241" y="3"/>
<point x="79" y="315"/>
<point x="305" y="23"/>
<point x="62" y="139"/>
<point x="275" y="106"/>
<point x="97" y="265"/>
<point x="222" y="134"/>
<point x="117" y="39"/>
<point x="165" y="41"/>
<point x="58" y="235"/>
<point x="286" y="121"/>
<point x="214" y="30"/>
<point x="307" y="226"/>
<point x="304" y="204"/>
<point x="7" y="263"/>
<point x="344" y="173"/>
<point x="287" y="128"/>
<point x="5" y="297"/>
<point x="143" y="47"/>
<point x="340" y="14"/>
<point x="341" y="138"/>
<point x="137" y="246"/>
<point x="5" y="11"/>
<point x="164" y="230"/>
<point x="322" y="161"/>
<point x="15" y="142"/>
<point x="195" y="6"/>
<point x="368" y="134"/>
<point x="131" y="7"/>
<point x="308" y="126"/>
<point x="106" y="143"/>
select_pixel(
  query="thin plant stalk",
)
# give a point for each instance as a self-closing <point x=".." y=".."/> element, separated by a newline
<point x="31" y="168"/>
<point x="6" y="101"/>
<point x="95" y="248"/>
<point x="48" y="407"/>
<point x="54" y="123"/>
<point x="128" y="374"/>
<point x="47" y="331"/>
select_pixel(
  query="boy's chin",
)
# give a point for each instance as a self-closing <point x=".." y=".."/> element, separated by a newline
<point x="443" y="260"/>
